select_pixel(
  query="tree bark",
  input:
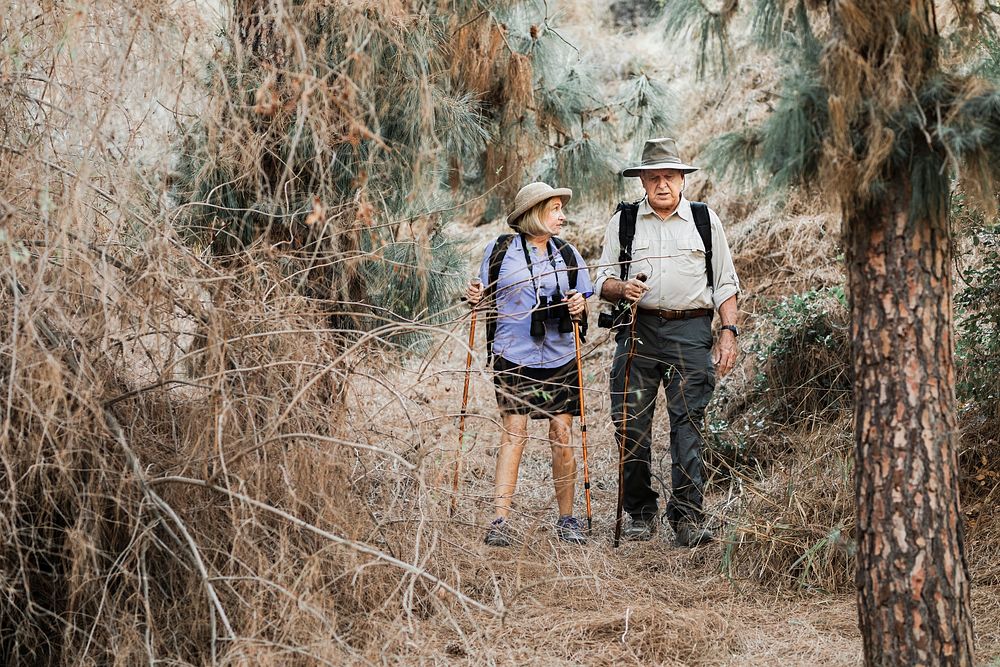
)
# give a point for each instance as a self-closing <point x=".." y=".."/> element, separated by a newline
<point x="257" y="32"/>
<point x="912" y="579"/>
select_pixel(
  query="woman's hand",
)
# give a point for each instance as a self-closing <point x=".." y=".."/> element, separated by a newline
<point x="474" y="292"/>
<point x="576" y="304"/>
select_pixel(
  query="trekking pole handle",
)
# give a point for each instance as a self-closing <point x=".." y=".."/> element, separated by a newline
<point x="476" y="282"/>
<point x="569" y="295"/>
<point x="641" y="277"/>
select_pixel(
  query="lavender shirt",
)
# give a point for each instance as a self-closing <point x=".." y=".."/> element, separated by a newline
<point x="515" y="296"/>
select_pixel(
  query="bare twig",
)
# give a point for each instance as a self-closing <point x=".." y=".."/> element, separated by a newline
<point x="351" y="544"/>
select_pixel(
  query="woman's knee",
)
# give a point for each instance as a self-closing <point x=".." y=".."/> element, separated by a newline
<point x="560" y="428"/>
<point x="563" y="455"/>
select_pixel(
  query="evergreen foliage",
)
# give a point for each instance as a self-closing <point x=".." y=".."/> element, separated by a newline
<point x="788" y="144"/>
<point x="336" y="121"/>
<point x="952" y="118"/>
<point x="646" y="106"/>
<point x="708" y="27"/>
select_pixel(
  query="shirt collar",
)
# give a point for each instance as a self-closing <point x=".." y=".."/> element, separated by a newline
<point x="683" y="209"/>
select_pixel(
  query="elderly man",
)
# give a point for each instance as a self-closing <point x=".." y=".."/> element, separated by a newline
<point x="680" y="246"/>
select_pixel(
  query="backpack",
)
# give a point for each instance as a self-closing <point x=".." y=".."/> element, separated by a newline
<point x="626" y="233"/>
<point x="496" y="260"/>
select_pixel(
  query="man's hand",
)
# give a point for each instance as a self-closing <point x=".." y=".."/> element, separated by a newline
<point x="474" y="292"/>
<point x="634" y="289"/>
<point x="615" y="289"/>
<point x="724" y="354"/>
<point x="576" y="304"/>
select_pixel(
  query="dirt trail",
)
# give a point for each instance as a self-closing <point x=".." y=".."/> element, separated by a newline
<point x="645" y="603"/>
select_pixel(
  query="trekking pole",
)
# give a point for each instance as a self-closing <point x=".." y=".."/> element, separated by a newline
<point x="465" y="403"/>
<point x="583" y="419"/>
<point x="621" y="441"/>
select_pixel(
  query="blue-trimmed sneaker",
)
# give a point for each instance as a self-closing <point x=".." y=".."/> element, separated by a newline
<point x="568" y="529"/>
<point x="499" y="534"/>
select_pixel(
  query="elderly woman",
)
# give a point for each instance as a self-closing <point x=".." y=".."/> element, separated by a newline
<point x="533" y="346"/>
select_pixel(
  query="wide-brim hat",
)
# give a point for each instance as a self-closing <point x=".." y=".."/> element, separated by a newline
<point x="532" y="194"/>
<point x="660" y="154"/>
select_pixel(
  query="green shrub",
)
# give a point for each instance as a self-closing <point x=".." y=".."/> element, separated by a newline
<point x="801" y="376"/>
<point x="802" y="353"/>
<point x="977" y="306"/>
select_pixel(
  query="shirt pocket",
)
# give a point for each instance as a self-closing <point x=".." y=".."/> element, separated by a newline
<point x="642" y="254"/>
<point x="691" y="256"/>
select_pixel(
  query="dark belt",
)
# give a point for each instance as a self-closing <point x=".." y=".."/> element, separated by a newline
<point x="677" y="314"/>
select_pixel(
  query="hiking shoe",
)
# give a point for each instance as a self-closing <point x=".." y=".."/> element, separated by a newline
<point x="499" y="534"/>
<point x="691" y="536"/>
<point x="640" y="530"/>
<point x="568" y="529"/>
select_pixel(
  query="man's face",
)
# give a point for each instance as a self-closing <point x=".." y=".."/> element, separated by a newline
<point x="663" y="188"/>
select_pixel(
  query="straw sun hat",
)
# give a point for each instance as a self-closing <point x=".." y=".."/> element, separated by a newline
<point x="535" y="193"/>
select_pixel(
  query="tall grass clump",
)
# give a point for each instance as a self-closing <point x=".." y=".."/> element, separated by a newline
<point x="175" y="482"/>
<point x="782" y="443"/>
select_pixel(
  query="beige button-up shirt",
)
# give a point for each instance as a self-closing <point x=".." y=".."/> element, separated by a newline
<point x="670" y="252"/>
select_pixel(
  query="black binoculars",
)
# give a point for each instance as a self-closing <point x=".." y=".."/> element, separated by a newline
<point x="617" y="317"/>
<point x="550" y="309"/>
<point x="621" y="313"/>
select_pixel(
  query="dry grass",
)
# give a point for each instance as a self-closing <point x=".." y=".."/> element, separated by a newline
<point x="198" y="468"/>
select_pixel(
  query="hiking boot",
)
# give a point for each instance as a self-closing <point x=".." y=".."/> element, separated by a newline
<point x="689" y="535"/>
<point x="568" y="529"/>
<point x="499" y="534"/>
<point x="640" y="530"/>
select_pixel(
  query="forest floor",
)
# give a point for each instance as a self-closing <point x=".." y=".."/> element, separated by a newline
<point x="643" y="603"/>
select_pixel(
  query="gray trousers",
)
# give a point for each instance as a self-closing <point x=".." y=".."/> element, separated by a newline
<point x="678" y="354"/>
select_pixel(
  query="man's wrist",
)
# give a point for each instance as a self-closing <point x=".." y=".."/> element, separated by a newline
<point x="612" y="290"/>
<point x="731" y="328"/>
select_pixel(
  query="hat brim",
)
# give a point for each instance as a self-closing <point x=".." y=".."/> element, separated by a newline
<point x="565" y="193"/>
<point x="678" y="166"/>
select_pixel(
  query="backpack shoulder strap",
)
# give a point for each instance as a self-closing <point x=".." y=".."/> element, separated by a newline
<point x="703" y="222"/>
<point x="496" y="260"/>
<point x="626" y="233"/>
<point x="573" y="268"/>
<point x="569" y="258"/>
<point x="489" y="290"/>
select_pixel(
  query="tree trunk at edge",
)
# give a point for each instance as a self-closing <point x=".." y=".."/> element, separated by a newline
<point x="912" y="579"/>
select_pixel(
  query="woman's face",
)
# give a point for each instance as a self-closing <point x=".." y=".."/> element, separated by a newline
<point x="554" y="217"/>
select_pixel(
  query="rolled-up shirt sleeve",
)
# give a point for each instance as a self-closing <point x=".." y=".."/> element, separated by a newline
<point x="607" y="266"/>
<point x="727" y="283"/>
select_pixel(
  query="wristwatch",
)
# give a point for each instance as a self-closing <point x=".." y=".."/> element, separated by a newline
<point x="731" y="327"/>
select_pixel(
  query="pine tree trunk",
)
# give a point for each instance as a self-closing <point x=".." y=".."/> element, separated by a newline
<point x="912" y="578"/>
<point x="255" y="27"/>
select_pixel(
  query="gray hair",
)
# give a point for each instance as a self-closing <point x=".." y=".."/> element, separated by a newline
<point x="530" y="222"/>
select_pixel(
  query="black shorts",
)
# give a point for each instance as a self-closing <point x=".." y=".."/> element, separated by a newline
<point x="538" y="392"/>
